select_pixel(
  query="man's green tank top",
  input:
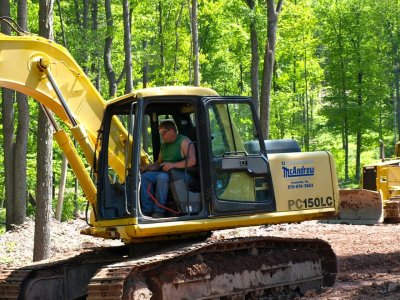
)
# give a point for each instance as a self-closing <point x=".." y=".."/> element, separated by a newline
<point x="171" y="152"/>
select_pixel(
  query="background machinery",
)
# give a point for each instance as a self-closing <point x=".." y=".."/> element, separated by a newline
<point x="378" y="200"/>
<point x="242" y="180"/>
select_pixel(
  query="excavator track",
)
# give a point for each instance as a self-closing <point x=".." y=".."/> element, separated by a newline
<point x="255" y="268"/>
<point x="10" y="289"/>
<point x="56" y="279"/>
<point x="215" y="269"/>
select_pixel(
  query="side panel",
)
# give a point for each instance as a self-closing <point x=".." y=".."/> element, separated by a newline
<point x="304" y="180"/>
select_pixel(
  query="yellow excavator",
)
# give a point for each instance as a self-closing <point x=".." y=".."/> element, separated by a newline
<point x="241" y="180"/>
<point x="378" y="199"/>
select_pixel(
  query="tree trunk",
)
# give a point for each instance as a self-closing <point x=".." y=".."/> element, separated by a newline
<point x="112" y="82"/>
<point x="360" y="94"/>
<point x="8" y="137"/>
<point x="177" y="25"/>
<point x="396" y="71"/>
<point x="145" y="65"/>
<point x="161" y="37"/>
<point x="306" y="107"/>
<point x="41" y="248"/>
<point x="344" y="103"/>
<point x="85" y="28"/>
<point x="359" y="122"/>
<point x="145" y="70"/>
<point x="96" y="63"/>
<point x="268" y="67"/>
<point x="62" y="24"/>
<point x="8" y="133"/>
<point x="85" y="23"/>
<point x="345" y="130"/>
<point x="21" y="139"/>
<point x="127" y="47"/>
<point x="195" y="37"/>
<point x="61" y="188"/>
<point x="255" y="57"/>
<point x="77" y="10"/>
<point x="64" y="166"/>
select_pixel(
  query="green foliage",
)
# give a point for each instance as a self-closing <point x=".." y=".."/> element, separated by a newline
<point x="69" y="206"/>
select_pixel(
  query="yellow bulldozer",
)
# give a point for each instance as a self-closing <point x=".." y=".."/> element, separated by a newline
<point x="378" y="199"/>
<point x="242" y="180"/>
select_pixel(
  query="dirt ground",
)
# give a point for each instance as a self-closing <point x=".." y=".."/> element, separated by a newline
<point x="368" y="256"/>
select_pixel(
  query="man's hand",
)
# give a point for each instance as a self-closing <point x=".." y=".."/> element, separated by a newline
<point x="151" y="167"/>
<point x="167" y="166"/>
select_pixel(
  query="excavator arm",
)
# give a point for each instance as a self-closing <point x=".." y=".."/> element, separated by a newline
<point x="48" y="73"/>
<point x="25" y="63"/>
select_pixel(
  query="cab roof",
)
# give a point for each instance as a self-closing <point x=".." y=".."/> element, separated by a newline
<point x="167" y="91"/>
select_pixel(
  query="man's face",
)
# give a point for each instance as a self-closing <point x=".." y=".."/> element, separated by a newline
<point x="167" y="134"/>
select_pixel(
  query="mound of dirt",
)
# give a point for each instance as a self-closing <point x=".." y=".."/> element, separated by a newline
<point x="16" y="245"/>
<point x="368" y="256"/>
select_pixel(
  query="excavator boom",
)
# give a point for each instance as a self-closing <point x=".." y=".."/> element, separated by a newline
<point x="23" y="61"/>
<point x="47" y="72"/>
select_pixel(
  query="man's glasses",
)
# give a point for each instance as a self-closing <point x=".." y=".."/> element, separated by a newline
<point x="163" y="132"/>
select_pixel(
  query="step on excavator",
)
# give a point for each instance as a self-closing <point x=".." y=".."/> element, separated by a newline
<point x="378" y="199"/>
<point x="241" y="180"/>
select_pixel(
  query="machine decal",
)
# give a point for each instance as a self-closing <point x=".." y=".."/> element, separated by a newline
<point x="308" y="203"/>
<point x="292" y="169"/>
<point x="300" y="184"/>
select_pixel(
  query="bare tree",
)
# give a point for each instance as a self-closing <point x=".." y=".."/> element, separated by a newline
<point x="64" y="166"/>
<point x="21" y="138"/>
<point x="41" y="248"/>
<point x="15" y="144"/>
<point x="111" y="76"/>
<point x="112" y="79"/>
<point x="255" y="57"/>
<point x="61" y="188"/>
<point x="177" y="25"/>
<point x="195" y="38"/>
<point x="112" y="82"/>
<point x="269" y="57"/>
<point x="8" y="133"/>
<point x="127" y="47"/>
<point x="145" y="81"/>
<point x="161" y="37"/>
<point x="96" y="63"/>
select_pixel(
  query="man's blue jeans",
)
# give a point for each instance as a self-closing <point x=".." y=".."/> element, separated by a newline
<point x="159" y="182"/>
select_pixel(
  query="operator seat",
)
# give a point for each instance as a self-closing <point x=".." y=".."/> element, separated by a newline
<point x="187" y="194"/>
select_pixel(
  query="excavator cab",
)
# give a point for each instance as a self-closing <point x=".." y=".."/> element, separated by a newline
<point x="232" y="172"/>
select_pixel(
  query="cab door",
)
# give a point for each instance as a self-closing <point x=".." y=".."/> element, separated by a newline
<point x="239" y="170"/>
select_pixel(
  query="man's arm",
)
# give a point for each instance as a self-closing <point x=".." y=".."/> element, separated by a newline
<point x="189" y="152"/>
<point x="153" y="167"/>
